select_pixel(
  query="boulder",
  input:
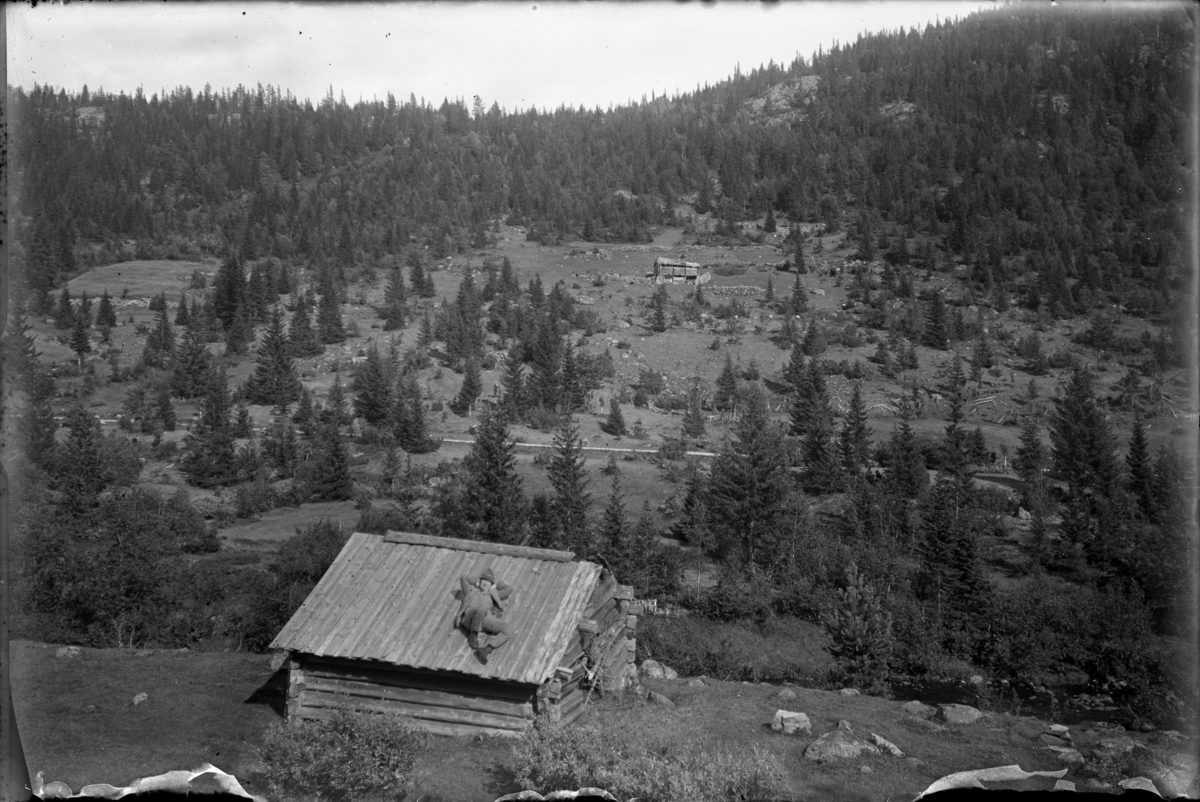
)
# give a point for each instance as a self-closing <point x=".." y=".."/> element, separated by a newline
<point x="1066" y="754"/>
<point x="1060" y="730"/>
<point x="841" y="744"/>
<point x="886" y="745"/>
<point x="790" y="723"/>
<point x="141" y="697"/>
<point x="786" y="693"/>
<point x="1139" y="784"/>
<point x="865" y="769"/>
<point x="102" y="791"/>
<point x="1114" y="747"/>
<point x="918" y="709"/>
<point x="1053" y="740"/>
<point x="976" y="679"/>
<point x="849" y="691"/>
<point x="656" y="698"/>
<point x="1177" y="776"/>
<point x="652" y="669"/>
<point x="959" y="714"/>
<point x="696" y="683"/>
<point x="68" y="653"/>
<point x="142" y="653"/>
<point x="1064" y="785"/>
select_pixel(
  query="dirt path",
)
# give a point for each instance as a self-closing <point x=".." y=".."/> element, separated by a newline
<point x="591" y="448"/>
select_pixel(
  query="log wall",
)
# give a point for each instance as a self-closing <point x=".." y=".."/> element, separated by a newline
<point x="440" y="702"/>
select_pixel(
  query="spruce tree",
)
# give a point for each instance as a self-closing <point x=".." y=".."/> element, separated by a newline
<point x="568" y="477"/>
<point x="512" y="386"/>
<point x="330" y="328"/>
<point x="574" y="395"/>
<point x="105" y="314"/>
<point x="906" y="462"/>
<point x="230" y="289"/>
<point x="416" y="275"/>
<point x="159" y="351"/>
<point x="613" y="536"/>
<point x="693" y="418"/>
<point x="769" y="298"/>
<point x="935" y="335"/>
<point x="853" y="440"/>
<point x="814" y="342"/>
<point x="615" y="425"/>
<point x="727" y="387"/>
<point x="209" y="460"/>
<point x="64" y="313"/>
<point x="81" y="344"/>
<point x="335" y="402"/>
<point x="812" y="421"/>
<point x="303" y="340"/>
<point x="658" y="309"/>
<point x="495" y="506"/>
<point x="237" y="336"/>
<point x="395" y="300"/>
<point x="798" y="303"/>
<point x="1082" y="438"/>
<point x="162" y="407"/>
<point x="693" y="525"/>
<point x="425" y="337"/>
<point x="748" y="487"/>
<point x="190" y="370"/>
<point x="182" y="315"/>
<point x="274" y="381"/>
<point x="1139" y="468"/>
<point x="472" y="386"/>
<point x="372" y="391"/>
<point x="329" y="476"/>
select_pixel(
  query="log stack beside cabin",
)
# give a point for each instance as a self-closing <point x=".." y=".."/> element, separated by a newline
<point x="377" y="635"/>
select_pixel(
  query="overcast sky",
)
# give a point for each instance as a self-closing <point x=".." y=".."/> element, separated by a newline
<point x="519" y="54"/>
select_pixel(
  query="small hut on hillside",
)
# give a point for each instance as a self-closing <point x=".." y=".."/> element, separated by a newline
<point x="675" y="271"/>
<point x="377" y="634"/>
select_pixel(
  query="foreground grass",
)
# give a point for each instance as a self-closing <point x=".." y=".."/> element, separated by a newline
<point x="78" y="724"/>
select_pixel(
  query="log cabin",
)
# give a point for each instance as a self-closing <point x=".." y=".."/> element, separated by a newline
<point x="377" y="635"/>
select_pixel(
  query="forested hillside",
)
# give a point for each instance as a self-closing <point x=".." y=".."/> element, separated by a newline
<point x="1037" y="146"/>
<point x="947" y="438"/>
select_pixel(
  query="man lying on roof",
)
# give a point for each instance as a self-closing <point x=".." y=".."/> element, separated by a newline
<point x="480" y="610"/>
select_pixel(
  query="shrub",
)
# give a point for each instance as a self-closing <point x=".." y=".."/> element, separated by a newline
<point x="379" y="520"/>
<point x="640" y="754"/>
<point x="345" y="758"/>
<point x="672" y="448"/>
<point x="651" y="381"/>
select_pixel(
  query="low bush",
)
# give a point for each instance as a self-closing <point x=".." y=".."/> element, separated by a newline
<point x="636" y="753"/>
<point x="348" y="757"/>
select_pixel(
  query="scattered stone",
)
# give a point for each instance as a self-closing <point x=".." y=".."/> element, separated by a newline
<point x="745" y="682"/>
<point x="976" y="679"/>
<point x="142" y="653"/>
<point x="1059" y="729"/>
<point x="660" y="699"/>
<point x="918" y="709"/>
<point x="652" y="669"/>
<point x="56" y="790"/>
<point x="790" y="723"/>
<point x="696" y="683"/>
<point x="886" y="745"/>
<point x="845" y="725"/>
<point x="1052" y="740"/>
<point x="865" y="769"/>
<point x="1113" y="747"/>
<point x="141" y="697"/>
<point x="959" y="714"/>
<point x="182" y="650"/>
<point x="841" y="744"/>
<point x="926" y="724"/>
<point x="101" y="791"/>
<point x="1178" y="776"/>
<point x="69" y="653"/>
<point x="89" y="709"/>
<point x="1096" y="785"/>
<point x="1023" y="514"/>
<point x="1064" y="785"/>
<point x="1028" y="727"/>
<point x="1066" y="754"/>
<point x="916" y="763"/>
<point x="786" y="693"/>
<point x="1139" y="784"/>
<point x="817" y="291"/>
<point x="849" y="691"/>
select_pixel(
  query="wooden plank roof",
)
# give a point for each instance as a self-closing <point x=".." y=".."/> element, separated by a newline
<point x="392" y="599"/>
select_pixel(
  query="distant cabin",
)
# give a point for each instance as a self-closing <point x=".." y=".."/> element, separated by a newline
<point x="377" y="635"/>
<point x="676" y="271"/>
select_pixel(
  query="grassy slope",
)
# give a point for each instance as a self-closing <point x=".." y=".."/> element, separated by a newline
<point x="213" y="707"/>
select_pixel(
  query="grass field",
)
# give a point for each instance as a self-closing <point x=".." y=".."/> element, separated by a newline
<point x="79" y="725"/>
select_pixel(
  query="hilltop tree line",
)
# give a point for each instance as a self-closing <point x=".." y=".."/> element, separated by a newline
<point x="1038" y="146"/>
